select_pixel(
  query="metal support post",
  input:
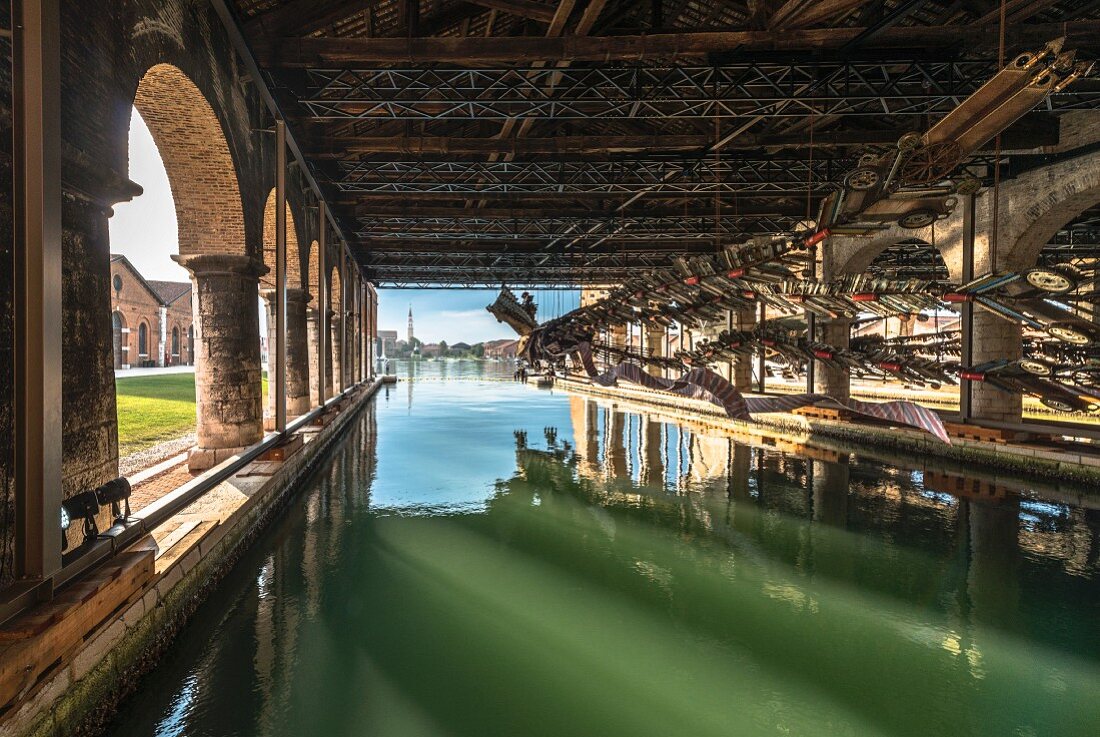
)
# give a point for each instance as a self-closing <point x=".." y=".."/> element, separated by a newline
<point x="38" y="431"/>
<point x="279" y="375"/>
<point x="966" y="310"/>
<point x="323" y="292"/>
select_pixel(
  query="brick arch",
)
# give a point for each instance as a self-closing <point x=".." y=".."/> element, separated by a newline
<point x="335" y="287"/>
<point x="293" y="259"/>
<point x="196" y="157"/>
<point x="313" y="273"/>
<point x="854" y="254"/>
<point x="1037" y="204"/>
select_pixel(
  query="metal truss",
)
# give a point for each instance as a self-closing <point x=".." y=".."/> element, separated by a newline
<point x="909" y="260"/>
<point x="694" y="175"/>
<point x="510" y="229"/>
<point x="903" y="87"/>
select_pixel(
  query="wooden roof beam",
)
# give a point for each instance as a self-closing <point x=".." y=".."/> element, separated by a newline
<point x="353" y="52"/>
<point x="522" y="8"/>
<point x="802" y="13"/>
<point x="302" y="17"/>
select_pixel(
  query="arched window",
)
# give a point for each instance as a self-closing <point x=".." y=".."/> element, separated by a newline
<point x="191" y="344"/>
<point x="176" y="343"/>
<point x="143" y="339"/>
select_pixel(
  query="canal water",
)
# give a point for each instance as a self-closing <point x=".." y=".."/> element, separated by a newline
<point x="480" y="559"/>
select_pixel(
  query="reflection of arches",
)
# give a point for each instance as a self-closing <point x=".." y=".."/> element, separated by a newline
<point x="143" y="340"/>
<point x="118" y="326"/>
<point x="175" y="344"/>
<point x="196" y="158"/>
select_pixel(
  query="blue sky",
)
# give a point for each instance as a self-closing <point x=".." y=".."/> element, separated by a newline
<point x="145" y="232"/>
<point x="456" y="315"/>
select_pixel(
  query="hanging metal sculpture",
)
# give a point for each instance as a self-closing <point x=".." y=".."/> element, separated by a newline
<point x="912" y="185"/>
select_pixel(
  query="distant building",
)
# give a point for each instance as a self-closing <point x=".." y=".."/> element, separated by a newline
<point x="503" y="348"/>
<point x="431" y="349"/>
<point x="461" y="347"/>
<point x="151" y="319"/>
<point x="410" y="338"/>
<point x="387" y="343"/>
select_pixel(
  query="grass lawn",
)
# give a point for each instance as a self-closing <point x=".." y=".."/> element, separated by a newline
<point x="152" y="409"/>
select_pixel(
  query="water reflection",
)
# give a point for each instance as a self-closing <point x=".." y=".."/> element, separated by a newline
<point x="495" y="560"/>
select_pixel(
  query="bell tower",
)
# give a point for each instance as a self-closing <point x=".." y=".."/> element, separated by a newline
<point x="410" y="324"/>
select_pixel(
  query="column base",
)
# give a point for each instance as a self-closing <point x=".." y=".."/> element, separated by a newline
<point x="203" y="459"/>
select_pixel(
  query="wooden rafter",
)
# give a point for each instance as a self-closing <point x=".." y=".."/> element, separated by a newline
<point x="306" y="52"/>
<point x="522" y="8"/>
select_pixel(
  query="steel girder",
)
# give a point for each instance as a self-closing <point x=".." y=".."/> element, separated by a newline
<point x="903" y="87"/>
<point x="480" y="269"/>
<point x="694" y="175"/>
<point x="507" y="229"/>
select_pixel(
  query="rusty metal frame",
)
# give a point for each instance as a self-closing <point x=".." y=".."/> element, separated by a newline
<point x="278" y="376"/>
<point x="36" y="59"/>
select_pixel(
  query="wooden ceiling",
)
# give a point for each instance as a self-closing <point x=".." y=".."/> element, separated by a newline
<point x="542" y="142"/>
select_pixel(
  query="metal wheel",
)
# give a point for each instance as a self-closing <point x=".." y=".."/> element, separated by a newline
<point x="862" y="179"/>
<point x="1068" y="334"/>
<point x="1050" y="280"/>
<point x="1035" y="368"/>
<point x="930" y="164"/>
<point x="910" y="141"/>
<point x="1058" y="405"/>
<point x="1086" y="378"/>
<point x="917" y="219"/>
<point x="968" y="185"/>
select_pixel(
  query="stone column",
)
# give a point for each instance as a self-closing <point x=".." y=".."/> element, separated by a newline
<point x="337" y="353"/>
<point x="655" y="340"/>
<point x="227" y="356"/>
<point x="829" y="380"/>
<point x="995" y="337"/>
<point x="298" y="398"/>
<point x="741" y="366"/>
<point x="297" y="359"/>
<point x="89" y="419"/>
<point x="313" y="320"/>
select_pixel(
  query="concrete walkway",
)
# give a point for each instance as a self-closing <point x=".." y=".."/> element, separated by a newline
<point x="124" y="373"/>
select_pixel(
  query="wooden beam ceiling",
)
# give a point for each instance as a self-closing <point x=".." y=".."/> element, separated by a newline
<point x="352" y="52"/>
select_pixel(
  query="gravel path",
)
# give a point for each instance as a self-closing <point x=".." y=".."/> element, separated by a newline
<point x="153" y="455"/>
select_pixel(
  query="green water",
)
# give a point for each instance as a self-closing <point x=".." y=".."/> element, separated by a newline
<point x="484" y="559"/>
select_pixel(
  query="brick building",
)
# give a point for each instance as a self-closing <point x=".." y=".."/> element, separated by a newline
<point x="151" y="319"/>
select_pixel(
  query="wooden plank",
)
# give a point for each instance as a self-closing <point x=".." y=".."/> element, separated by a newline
<point x="173" y="538"/>
<point x="55" y="629"/>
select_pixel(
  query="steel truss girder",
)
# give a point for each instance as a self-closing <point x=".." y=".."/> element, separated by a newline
<point x="430" y="260"/>
<point x="506" y="229"/>
<point x="600" y="176"/>
<point x="903" y="87"/>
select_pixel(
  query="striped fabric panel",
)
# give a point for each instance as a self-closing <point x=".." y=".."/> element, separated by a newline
<point x="704" y="384"/>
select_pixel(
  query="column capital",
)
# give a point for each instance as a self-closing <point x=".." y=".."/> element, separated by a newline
<point x="208" y="264"/>
<point x="292" y="295"/>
